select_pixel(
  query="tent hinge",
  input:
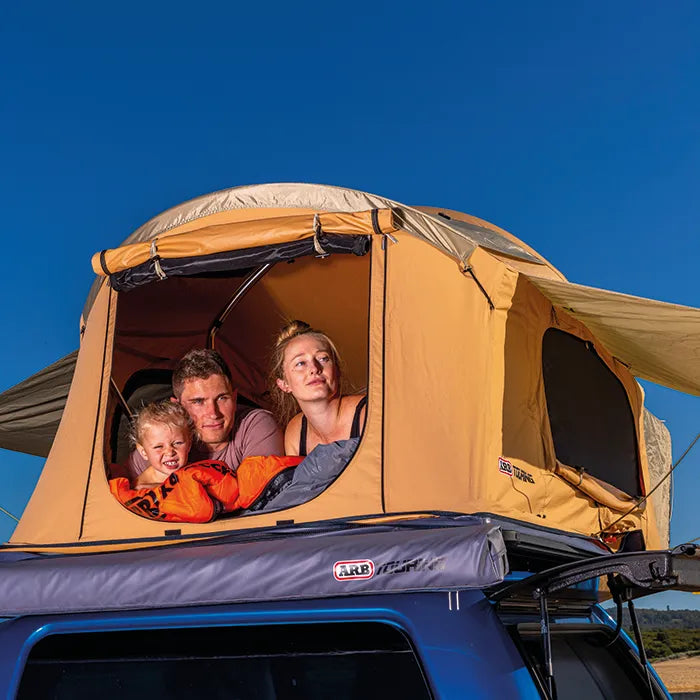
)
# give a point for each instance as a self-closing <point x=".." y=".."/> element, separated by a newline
<point x="469" y="270"/>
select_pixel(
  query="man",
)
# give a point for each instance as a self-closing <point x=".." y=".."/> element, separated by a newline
<point x="202" y="384"/>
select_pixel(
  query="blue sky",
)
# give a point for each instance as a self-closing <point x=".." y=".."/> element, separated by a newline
<point x="575" y="126"/>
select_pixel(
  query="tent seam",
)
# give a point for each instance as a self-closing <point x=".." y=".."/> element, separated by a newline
<point x="97" y="415"/>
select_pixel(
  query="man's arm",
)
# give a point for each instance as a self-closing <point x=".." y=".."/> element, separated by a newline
<point x="259" y="435"/>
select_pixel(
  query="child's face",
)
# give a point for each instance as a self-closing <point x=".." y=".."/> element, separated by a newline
<point x="165" y="447"/>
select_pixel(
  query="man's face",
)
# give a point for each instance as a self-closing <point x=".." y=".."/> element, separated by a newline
<point x="211" y="403"/>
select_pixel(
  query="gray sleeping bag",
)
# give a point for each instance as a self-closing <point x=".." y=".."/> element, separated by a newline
<point x="316" y="473"/>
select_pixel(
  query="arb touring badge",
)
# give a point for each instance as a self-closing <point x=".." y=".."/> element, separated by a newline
<point x="353" y="569"/>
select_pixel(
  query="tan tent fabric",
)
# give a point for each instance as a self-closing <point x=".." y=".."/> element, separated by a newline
<point x="285" y="196"/>
<point x="598" y="490"/>
<point x="656" y="340"/>
<point x="443" y="325"/>
<point x="54" y="512"/>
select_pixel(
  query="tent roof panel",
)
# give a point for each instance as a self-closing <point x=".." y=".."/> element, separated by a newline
<point x="271" y="200"/>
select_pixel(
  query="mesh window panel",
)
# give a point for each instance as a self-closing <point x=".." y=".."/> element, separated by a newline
<point x="589" y="412"/>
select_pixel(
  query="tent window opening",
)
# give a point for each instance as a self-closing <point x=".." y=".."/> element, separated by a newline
<point x="157" y="323"/>
<point x="589" y="412"/>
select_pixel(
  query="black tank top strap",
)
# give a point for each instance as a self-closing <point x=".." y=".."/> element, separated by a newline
<point x="302" y="436"/>
<point x="355" y="430"/>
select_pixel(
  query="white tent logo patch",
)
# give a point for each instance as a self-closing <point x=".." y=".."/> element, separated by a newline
<point x="353" y="569"/>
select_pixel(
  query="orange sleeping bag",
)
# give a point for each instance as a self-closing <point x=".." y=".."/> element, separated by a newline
<point x="201" y="491"/>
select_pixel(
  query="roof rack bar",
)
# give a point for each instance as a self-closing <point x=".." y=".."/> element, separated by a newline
<point x="650" y="571"/>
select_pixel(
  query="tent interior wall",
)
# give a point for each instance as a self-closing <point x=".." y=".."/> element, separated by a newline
<point x="329" y="293"/>
<point x="449" y="351"/>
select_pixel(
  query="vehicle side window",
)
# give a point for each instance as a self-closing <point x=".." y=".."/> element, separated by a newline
<point x="585" y="668"/>
<point x="272" y="662"/>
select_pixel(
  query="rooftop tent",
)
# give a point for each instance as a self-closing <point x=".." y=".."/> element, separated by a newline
<point x="470" y="359"/>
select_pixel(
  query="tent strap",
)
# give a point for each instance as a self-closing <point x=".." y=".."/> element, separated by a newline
<point x="468" y="269"/>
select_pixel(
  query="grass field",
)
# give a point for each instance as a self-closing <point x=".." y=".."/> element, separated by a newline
<point x="680" y="675"/>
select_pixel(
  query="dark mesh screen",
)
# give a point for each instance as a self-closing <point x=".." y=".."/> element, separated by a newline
<point x="589" y="412"/>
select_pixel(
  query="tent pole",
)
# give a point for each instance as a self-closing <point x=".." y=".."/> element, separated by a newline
<point x="248" y="282"/>
<point x="121" y="398"/>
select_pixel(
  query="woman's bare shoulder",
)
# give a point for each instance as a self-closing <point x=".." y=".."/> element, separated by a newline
<point x="292" y="433"/>
<point x="350" y="402"/>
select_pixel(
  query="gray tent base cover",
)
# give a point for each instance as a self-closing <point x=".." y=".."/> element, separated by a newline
<point x="349" y="562"/>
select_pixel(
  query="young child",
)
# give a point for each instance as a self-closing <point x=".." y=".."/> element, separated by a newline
<point x="162" y="433"/>
<point x="171" y="490"/>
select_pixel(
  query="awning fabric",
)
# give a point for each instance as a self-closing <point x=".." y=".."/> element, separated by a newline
<point x="31" y="410"/>
<point x="657" y="341"/>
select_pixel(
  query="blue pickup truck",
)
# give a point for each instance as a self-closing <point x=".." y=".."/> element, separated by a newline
<point x="443" y="606"/>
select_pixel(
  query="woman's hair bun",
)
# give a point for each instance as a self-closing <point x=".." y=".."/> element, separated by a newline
<point x="292" y="329"/>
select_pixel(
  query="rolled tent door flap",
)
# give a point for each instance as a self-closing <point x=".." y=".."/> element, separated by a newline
<point x="220" y="238"/>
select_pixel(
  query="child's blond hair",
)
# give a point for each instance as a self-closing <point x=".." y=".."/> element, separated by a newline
<point x="168" y="412"/>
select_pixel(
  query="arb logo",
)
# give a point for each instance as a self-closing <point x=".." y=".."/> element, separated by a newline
<point x="505" y="467"/>
<point x="354" y="569"/>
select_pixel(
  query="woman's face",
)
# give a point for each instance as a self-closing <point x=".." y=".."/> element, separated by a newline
<point x="309" y="371"/>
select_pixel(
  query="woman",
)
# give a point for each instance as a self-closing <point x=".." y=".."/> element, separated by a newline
<point x="307" y="375"/>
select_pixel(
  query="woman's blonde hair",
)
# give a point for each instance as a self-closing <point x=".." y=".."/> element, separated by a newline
<point x="168" y="412"/>
<point x="285" y="406"/>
